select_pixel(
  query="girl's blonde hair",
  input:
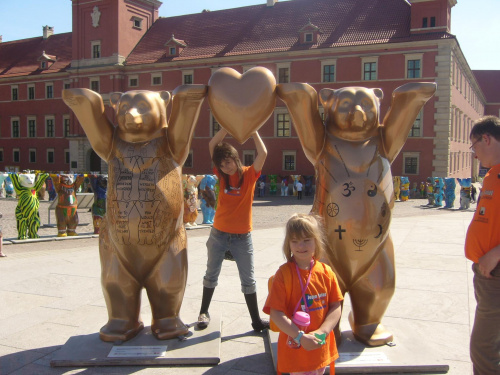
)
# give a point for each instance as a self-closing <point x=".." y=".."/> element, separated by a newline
<point x="304" y="226"/>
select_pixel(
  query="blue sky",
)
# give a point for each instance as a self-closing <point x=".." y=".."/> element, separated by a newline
<point x="475" y="22"/>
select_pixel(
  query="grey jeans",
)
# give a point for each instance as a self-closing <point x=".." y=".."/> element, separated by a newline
<point x="241" y="248"/>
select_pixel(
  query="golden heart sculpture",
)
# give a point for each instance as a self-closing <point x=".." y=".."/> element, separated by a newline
<point x="241" y="103"/>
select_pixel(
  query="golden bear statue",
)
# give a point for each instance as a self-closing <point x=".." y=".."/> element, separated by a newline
<point x="142" y="240"/>
<point x="352" y="154"/>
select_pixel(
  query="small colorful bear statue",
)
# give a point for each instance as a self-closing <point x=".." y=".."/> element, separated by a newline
<point x="405" y="188"/>
<point x="296" y="179"/>
<point x="465" y="192"/>
<point x="99" y="185"/>
<point x="66" y="186"/>
<point x="284" y="186"/>
<point x="396" y="182"/>
<point x="430" y="191"/>
<point x="50" y="189"/>
<point x="190" y="200"/>
<point x="3" y="177"/>
<point x="273" y="178"/>
<point x="208" y="198"/>
<point x="438" y="191"/>
<point x="308" y="185"/>
<point x="449" y="192"/>
<point x="9" y="187"/>
<point x="422" y="190"/>
<point x="26" y="186"/>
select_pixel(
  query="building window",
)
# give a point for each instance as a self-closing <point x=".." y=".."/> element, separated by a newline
<point x="1" y="155"/>
<point x="416" y="129"/>
<point x="66" y="156"/>
<point x="328" y="73"/>
<point x="31" y="92"/>
<point x="289" y="160"/>
<point x="189" y="161"/>
<point x="284" y="75"/>
<point x="15" y="93"/>
<point x="49" y="128"/>
<point x="424" y="22"/>
<point x="133" y="81"/>
<point x="248" y="157"/>
<point x="413" y="69"/>
<point x="410" y="163"/>
<point x="187" y="77"/>
<point x="32" y="155"/>
<point x="137" y="23"/>
<point x="156" y="79"/>
<point x="16" y="155"/>
<point x="215" y="126"/>
<point x="49" y="91"/>
<point x="433" y="21"/>
<point x="94" y="84"/>
<point x="369" y="71"/>
<point x="96" y="49"/>
<point x="283" y="125"/>
<point x="67" y="85"/>
<point x="308" y="37"/>
<point x="15" y="128"/>
<point x="66" y="126"/>
<point x="31" y="127"/>
<point x="50" y="155"/>
<point x="172" y="51"/>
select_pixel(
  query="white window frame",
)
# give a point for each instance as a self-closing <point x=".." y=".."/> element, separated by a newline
<point x="289" y="153"/>
<point x="28" y="119"/>
<point x="12" y="120"/>
<point x="67" y="156"/>
<point x="31" y="86"/>
<point x="66" y="118"/>
<point x="310" y="34"/>
<point x="51" y="150"/>
<point x="172" y="51"/>
<point x="29" y="155"/>
<point x="131" y="78"/>
<point x="277" y="112"/>
<point x="47" y="118"/>
<point x="47" y="85"/>
<point x="246" y="153"/>
<point x="410" y="155"/>
<point x="92" y="44"/>
<point x="369" y="59"/>
<point x="12" y="88"/>
<point x="326" y="63"/>
<point x="421" y="115"/>
<point x="283" y="66"/>
<point x="187" y="73"/>
<point x="156" y="75"/>
<point x="137" y="23"/>
<point x="414" y="56"/>
<point x="14" y="151"/>
<point x="212" y="120"/>
<point x="67" y="83"/>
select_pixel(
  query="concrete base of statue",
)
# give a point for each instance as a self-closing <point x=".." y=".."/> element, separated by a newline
<point x="199" y="347"/>
<point x="406" y="356"/>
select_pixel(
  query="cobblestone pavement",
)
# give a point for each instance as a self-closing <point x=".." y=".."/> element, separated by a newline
<point x="268" y="212"/>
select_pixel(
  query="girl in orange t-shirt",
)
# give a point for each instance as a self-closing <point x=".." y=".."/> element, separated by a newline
<point x="305" y="350"/>
<point x="232" y="226"/>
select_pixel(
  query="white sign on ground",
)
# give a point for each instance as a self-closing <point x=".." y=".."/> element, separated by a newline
<point x="137" y="351"/>
<point x="357" y="358"/>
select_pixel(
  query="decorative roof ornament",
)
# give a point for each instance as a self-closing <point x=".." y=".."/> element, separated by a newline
<point x="172" y="41"/>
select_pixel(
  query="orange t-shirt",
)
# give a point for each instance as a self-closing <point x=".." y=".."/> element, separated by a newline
<point x="484" y="230"/>
<point x="323" y="290"/>
<point x="234" y="207"/>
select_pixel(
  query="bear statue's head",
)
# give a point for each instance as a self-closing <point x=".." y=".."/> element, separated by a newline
<point x="140" y="114"/>
<point x="208" y="181"/>
<point x="352" y="112"/>
<point x="465" y="182"/>
<point x="102" y="181"/>
<point x="67" y="179"/>
<point x="27" y="180"/>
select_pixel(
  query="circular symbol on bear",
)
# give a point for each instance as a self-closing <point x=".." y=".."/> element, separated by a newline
<point x="332" y="209"/>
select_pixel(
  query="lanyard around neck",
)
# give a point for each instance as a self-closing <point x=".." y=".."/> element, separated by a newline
<point x="304" y="288"/>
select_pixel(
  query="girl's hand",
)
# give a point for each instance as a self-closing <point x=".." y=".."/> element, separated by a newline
<point x="310" y="342"/>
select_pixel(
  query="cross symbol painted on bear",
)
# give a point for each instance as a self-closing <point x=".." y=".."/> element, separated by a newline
<point x="339" y="231"/>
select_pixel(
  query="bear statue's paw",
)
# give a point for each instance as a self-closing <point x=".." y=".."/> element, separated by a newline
<point x="168" y="328"/>
<point x="120" y="330"/>
<point x="371" y="334"/>
<point x="61" y="234"/>
<point x="72" y="233"/>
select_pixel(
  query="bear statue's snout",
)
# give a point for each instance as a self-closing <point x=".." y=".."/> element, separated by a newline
<point x="133" y="117"/>
<point x="357" y="117"/>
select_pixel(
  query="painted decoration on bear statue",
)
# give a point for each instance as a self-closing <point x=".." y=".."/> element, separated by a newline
<point x="208" y="198"/>
<point x="66" y="186"/>
<point x="3" y="177"/>
<point x="99" y="186"/>
<point x="142" y="239"/>
<point x="438" y="187"/>
<point x="449" y="192"/>
<point x="405" y="188"/>
<point x="9" y="187"/>
<point x="352" y="154"/>
<point x="27" y="186"/>
<point x="396" y="184"/>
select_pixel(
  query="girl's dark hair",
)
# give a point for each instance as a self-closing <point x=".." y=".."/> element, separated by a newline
<point x="224" y="151"/>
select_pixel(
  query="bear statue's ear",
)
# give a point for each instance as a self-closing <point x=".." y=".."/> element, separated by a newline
<point x="166" y="96"/>
<point x="325" y="96"/>
<point x="114" y="98"/>
<point x="379" y="93"/>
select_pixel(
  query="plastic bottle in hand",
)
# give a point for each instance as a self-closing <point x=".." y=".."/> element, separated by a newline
<point x="302" y="320"/>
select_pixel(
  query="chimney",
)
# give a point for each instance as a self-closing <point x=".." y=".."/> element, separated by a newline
<point x="48" y="31"/>
<point x="1" y="38"/>
<point x="270" y="3"/>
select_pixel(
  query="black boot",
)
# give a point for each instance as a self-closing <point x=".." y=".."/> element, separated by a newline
<point x="204" y="317"/>
<point x="257" y="323"/>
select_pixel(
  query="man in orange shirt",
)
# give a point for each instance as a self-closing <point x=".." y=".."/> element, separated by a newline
<point x="482" y="246"/>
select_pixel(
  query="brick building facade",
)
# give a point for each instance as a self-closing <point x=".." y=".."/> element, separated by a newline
<point x="121" y="45"/>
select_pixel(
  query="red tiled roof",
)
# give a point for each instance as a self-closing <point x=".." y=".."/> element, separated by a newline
<point x="260" y="29"/>
<point x="20" y="57"/>
<point x="488" y="81"/>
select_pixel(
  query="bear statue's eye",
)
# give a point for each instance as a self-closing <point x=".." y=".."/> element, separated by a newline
<point x="124" y="107"/>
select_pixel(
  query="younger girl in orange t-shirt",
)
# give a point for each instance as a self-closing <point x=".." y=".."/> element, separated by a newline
<point x="314" y="284"/>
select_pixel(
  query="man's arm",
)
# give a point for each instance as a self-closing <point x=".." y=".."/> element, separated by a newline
<point x="489" y="261"/>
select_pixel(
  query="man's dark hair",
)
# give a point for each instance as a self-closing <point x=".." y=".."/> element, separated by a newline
<point x="224" y="151"/>
<point x="486" y="125"/>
